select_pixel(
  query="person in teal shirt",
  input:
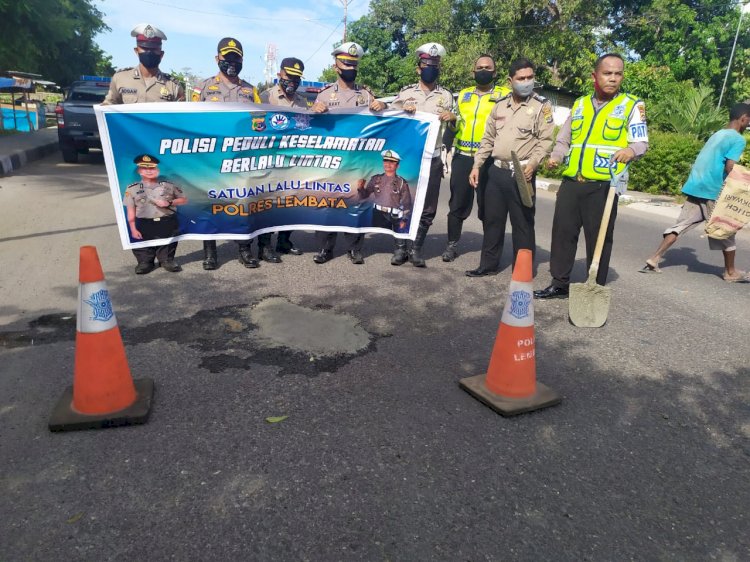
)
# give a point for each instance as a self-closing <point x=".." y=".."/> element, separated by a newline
<point x="703" y="186"/>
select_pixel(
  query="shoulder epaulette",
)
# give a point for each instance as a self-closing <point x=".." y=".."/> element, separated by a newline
<point x="133" y="184"/>
<point x="539" y="97"/>
<point x="329" y="86"/>
<point x="506" y="96"/>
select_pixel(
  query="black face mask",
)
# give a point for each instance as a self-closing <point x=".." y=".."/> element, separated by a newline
<point x="484" y="77"/>
<point x="230" y="68"/>
<point x="348" y="74"/>
<point x="429" y="74"/>
<point x="289" y="86"/>
<point x="149" y="59"/>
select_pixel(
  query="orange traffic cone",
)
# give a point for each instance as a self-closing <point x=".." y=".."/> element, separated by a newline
<point x="509" y="386"/>
<point x="103" y="392"/>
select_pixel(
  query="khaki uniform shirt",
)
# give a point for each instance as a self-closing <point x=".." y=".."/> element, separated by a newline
<point x="216" y="89"/>
<point x="434" y="101"/>
<point x="275" y="96"/>
<point x="391" y="192"/>
<point x="128" y="86"/>
<point x="142" y="198"/>
<point x="525" y="128"/>
<point x="336" y="98"/>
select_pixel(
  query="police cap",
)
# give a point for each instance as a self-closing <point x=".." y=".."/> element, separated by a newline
<point x="293" y="67"/>
<point x="431" y="52"/>
<point x="390" y="155"/>
<point x="350" y="52"/>
<point x="146" y="161"/>
<point x="229" y="45"/>
<point x="148" y="36"/>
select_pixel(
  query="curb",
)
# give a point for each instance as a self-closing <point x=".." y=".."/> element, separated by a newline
<point x="18" y="158"/>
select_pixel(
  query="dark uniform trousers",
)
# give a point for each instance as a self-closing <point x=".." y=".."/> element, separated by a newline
<point x="462" y="194"/>
<point x="433" y="193"/>
<point x="327" y="240"/>
<point x="501" y="200"/>
<point x="282" y="240"/>
<point x="580" y="204"/>
<point x="151" y="229"/>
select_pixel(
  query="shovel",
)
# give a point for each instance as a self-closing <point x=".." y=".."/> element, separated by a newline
<point x="588" y="303"/>
<point x="524" y="189"/>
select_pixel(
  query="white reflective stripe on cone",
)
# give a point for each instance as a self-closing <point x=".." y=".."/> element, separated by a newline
<point x="519" y="307"/>
<point x="95" y="312"/>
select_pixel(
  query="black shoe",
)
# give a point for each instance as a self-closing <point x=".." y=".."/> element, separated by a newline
<point x="247" y="259"/>
<point x="143" y="268"/>
<point x="451" y="252"/>
<point x="210" y="263"/>
<point x="171" y="266"/>
<point x="415" y="257"/>
<point x="356" y="257"/>
<point x="267" y="254"/>
<point x="551" y="292"/>
<point x="481" y="272"/>
<point x="400" y="256"/>
<point x="293" y="250"/>
<point x="323" y="256"/>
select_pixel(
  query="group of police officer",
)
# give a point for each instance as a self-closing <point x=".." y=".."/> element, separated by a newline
<point x="500" y="137"/>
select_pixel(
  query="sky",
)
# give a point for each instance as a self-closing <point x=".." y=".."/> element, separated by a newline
<point x="193" y="28"/>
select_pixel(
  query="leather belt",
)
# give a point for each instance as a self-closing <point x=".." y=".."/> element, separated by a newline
<point x="503" y="165"/>
<point x="398" y="213"/>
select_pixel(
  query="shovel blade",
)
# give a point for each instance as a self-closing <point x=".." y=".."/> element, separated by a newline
<point x="588" y="304"/>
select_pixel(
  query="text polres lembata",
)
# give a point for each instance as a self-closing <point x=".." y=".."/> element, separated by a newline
<point x="207" y="145"/>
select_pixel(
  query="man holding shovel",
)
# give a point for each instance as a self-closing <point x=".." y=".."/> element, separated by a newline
<point x="603" y="134"/>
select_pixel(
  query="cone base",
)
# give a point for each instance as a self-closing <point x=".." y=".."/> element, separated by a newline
<point x="64" y="418"/>
<point x="505" y="406"/>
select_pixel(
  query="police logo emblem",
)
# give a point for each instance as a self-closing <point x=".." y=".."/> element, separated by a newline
<point x="519" y="304"/>
<point x="296" y="65"/>
<point x="353" y="50"/>
<point x="101" y="306"/>
<point x="302" y="122"/>
<point x="232" y="43"/>
<point x="246" y="90"/>
<point x="279" y="121"/>
<point x="333" y="96"/>
<point x="259" y="122"/>
<point x="467" y="97"/>
<point x="361" y="100"/>
<point x="214" y="98"/>
<point x="388" y="154"/>
<point x="164" y="91"/>
<point x="433" y="50"/>
<point x="149" y="32"/>
<point x="618" y="111"/>
<point x="213" y="88"/>
<point x="146" y="159"/>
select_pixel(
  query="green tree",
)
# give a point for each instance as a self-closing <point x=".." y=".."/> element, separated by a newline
<point x="54" y="38"/>
<point x="696" y="114"/>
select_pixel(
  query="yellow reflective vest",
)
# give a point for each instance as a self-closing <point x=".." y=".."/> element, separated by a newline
<point x="595" y="135"/>
<point x="473" y="110"/>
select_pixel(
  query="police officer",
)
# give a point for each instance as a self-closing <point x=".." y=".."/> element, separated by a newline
<point x="284" y="94"/>
<point x="144" y="83"/>
<point x="520" y="122"/>
<point x="150" y="207"/>
<point x="474" y="105"/>
<point x="426" y="95"/>
<point x="392" y="203"/>
<point x="227" y="86"/>
<point x="344" y="93"/>
<point x="603" y="133"/>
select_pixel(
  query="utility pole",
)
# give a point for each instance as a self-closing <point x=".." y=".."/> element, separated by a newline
<point x="731" y="56"/>
<point x="345" y="3"/>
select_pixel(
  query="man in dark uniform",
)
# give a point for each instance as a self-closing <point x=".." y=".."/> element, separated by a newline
<point x="344" y="93"/>
<point x="284" y="94"/>
<point x="426" y="95"/>
<point x="150" y="207"/>
<point x="227" y="86"/>
<point x="392" y="202"/>
<point x="520" y="123"/>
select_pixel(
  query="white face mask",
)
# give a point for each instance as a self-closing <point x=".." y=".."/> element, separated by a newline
<point x="523" y="89"/>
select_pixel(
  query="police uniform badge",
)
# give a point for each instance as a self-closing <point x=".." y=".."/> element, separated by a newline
<point x="246" y="91"/>
<point x="333" y="96"/>
<point x="196" y="95"/>
<point x="361" y="100"/>
<point x="214" y="98"/>
<point x="149" y="32"/>
<point x="213" y="88"/>
<point x="618" y="111"/>
<point x="642" y="110"/>
<point x="519" y="304"/>
<point x="433" y="50"/>
<point x="467" y="97"/>
<point x="353" y="50"/>
<point x="547" y="113"/>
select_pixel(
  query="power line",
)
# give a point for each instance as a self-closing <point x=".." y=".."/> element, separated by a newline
<point x="324" y="42"/>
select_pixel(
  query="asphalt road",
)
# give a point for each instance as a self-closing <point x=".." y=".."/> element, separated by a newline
<point x="382" y="456"/>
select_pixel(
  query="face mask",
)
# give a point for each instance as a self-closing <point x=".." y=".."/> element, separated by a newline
<point x="149" y="59"/>
<point x="348" y="74"/>
<point x="230" y="68"/>
<point x="523" y="89"/>
<point x="429" y="74"/>
<point x="484" y="77"/>
<point x="289" y="86"/>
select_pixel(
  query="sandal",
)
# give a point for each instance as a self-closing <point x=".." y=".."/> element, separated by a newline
<point x="650" y="267"/>
<point x="738" y="277"/>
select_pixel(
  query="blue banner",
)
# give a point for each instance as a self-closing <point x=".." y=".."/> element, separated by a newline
<point x="233" y="171"/>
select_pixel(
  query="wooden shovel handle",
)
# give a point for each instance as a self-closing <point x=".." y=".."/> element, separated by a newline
<point x="594" y="269"/>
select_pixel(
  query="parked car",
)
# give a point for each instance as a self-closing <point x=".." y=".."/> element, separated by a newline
<point x="77" y="130"/>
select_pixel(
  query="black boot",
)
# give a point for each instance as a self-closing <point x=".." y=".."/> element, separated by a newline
<point x="266" y="253"/>
<point x="400" y="255"/>
<point x="451" y="251"/>
<point x="415" y="255"/>
<point x="246" y="256"/>
<point x="210" y="260"/>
